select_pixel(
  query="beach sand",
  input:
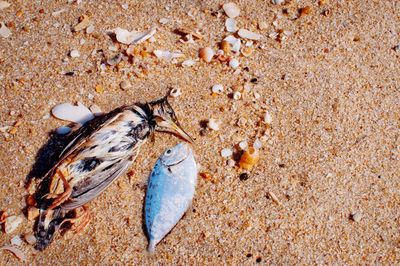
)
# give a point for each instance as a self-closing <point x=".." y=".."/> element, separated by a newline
<point x="330" y="83"/>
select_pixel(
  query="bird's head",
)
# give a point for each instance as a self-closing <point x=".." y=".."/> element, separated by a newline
<point x="165" y="119"/>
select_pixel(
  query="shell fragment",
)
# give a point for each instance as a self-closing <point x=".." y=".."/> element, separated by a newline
<point x="73" y="113"/>
<point x="249" y="35"/>
<point x="133" y="37"/>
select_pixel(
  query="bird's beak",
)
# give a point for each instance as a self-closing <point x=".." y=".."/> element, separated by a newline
<point x="175" y="128"/>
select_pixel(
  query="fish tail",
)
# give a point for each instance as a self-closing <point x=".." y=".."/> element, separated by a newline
<point x="152" y="246"/>
<point x="48" y="224"/>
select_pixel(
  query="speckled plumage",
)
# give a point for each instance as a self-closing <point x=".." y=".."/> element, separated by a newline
<point x="170" y="192"/>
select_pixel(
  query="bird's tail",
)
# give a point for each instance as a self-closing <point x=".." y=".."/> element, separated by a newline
<point x="47" y="225"/>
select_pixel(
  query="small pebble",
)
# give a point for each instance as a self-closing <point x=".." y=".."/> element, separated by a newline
<point x="268" y="118"/>
<point x="217" y="88"/>
<point x="356" y="217"/>
<point x="257" y="144"/>
<point x="244" y="176"/>
<point x="175" y="92"/>
<point x="237" y="95"/>
<point x="262" y="25"/>
<point x="226" y="152"/>
<point x="206" y="54"/>
<point x="230" y="25"/>
<point x="16" y="240"/>
<point x="125" y="6"/>
<point x="234" y="63"/>
<point x="231" y="163"/>
<point x="90" y="29"/>
<point x="125" y="85"/>
<point x="4" y="31"/>
<point x="11" y="223"/>
<point x="243" y="145"/>
<point x="213" y="124"/>
<point x="74" y="53"/>
<point x="188" y="63"/>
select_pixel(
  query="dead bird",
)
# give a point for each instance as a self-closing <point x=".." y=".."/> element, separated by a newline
<point x="100" y="153"/>
<point x="170" y="192"/>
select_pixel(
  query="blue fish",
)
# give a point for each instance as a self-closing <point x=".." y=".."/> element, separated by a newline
<point x="170" y="192"/>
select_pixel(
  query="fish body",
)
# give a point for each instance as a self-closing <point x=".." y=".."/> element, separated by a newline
<point x="101" y="152"/>
<point x="170" y="192"/>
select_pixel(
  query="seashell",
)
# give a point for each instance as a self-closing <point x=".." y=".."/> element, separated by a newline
<point x="167" y="55"/>
<point x="225" y="152"/>
<point x="206" y="54"/>
<point x="84" y="22"/>
<point x="134" y="37"/>
<point x="223" y="58"/>
<point x="262" y="25"/>
<point x="237" y="95"/>
<point x="225" y="46"/>
<point x="4" y="31"/>
<point x="30" y="239"/>
<point x="163" y="21"/>
<point x="188" y="63"/>
<point x="11" y="223"/>
<point x="113" y="61"/>
<point x="175" y="92"/>
<point x="246" y="51"/>
<point x="63" y="130"/>
<point x="217" y="88"/>
<point x="231" y="9"/>
<point x="234" y="63"/>
<point x="268" y="118"/>
<point x="230" y="25"/>
<point x="235" y="42"/>
<point x="278" y="2"/>
<point x="249" y="158"/>
<point x="249" y="35"/>
<point x="74" y="53"/>
<point x="16" y="251"/>
<point x="73" y="113"/>
<point x="257" y="144"/>
<point x="16" y="241"/>
<point x="90" y="29"/>
<point x="125" y="85"/>
<point x="4" y="5"/>
<point x="243" y="145"/>
<point x="213" y="124"/>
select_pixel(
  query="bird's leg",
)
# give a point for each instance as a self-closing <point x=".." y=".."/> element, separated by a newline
<point x="81" y="221"/>
<point x="63" y="196"/>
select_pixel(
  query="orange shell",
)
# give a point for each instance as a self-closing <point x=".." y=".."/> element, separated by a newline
<point x="249" y="158"/>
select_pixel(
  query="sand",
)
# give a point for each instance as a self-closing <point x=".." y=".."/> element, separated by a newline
<point x="332" y="150"/>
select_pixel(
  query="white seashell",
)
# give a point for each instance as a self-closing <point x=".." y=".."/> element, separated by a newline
<point x="217" y="88"/>
<point x="30" y="238"/>
<point x="249" y="35"/>
<point x="125" y="6"/>
<point x="234" y="42"/>
<point x="175" y="92"/>
<point x="230" y="25"/>
<point x="4" y="5"/>
<point x="63" y="130"/>
<point x="225" y="152"/>
<point x="74" y="53"/>
<point x="243" y="145"/>
<point x="58" y="12"/>
<point x="278" y="2"/>
<point x="234" y="63"/>
<point x="356" y="217"/>
<point x="90" y="29"/>
<point x="16" y="251"/>
<point x="73" y="113"/>
<point x="231" y="163"/>
<point x="237" y="95"/>
<point x="167" y="55"/>
<point x="11" y="223"/>
<point x="4" y="31"/>
<point x="213" y="124"/>
<point x="257" y="144"/>
<point x="16" y="241"/>
<point x="231" y="9"/>
<point x="188" y="63"/>
<point x="206" y="54"/>
<point x="127" y="37"/>
<point x="163" y="21"/>
<point x="83" y="24"/>
<point x="262" y="25"/>
<point x="268" y="118"/>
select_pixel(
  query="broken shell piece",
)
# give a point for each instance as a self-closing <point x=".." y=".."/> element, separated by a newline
<point x="74" y="53"/>
<point x="257" y="144"/>
<point x="262" y="25"/>
<point x="11" y="223"/>
<point x="16" y="251"/>
<point x="234" y="63"/>
<point x="249" y="35"/>
<point x="237" y="95"/>
<point x="278" y="2"/>
<point x="127" y="37"/>
<point x="4" y="31"/>
<point x="16" y="241"/>
<point x="206" y="54"/>
<point x="113" y="61"/>
<point x="226" y="152"/>
<point x="30" y="239"/>
<point x="188" y="63"/>
<point x="175" y="92"/>
<point x="246" y="51"/>
<point x="213" y="124"/>
<point x="167" y="55"/>
<point x="235" y="42"/>
<point x="84" y="22"/>
<point x="230" y="25"/>
<point x="243" y="145"/>
<point x="125" y="85"/>
<point x="217" y="88"/>
<point x="249" y="158"/>
<point x="90" y="29"/>
<point x="163" y="21"/>
<point x="231" y="163"/>
<point x="4" y="5"/>
<point x="268" y="118"/>
<point x="231" y="9"/>
<point x="225" y="46"/>
<point x="73" y="113"/>
<point x="63" y="130"/>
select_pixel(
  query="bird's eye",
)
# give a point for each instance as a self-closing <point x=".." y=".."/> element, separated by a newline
<point x="168" y="152"/>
